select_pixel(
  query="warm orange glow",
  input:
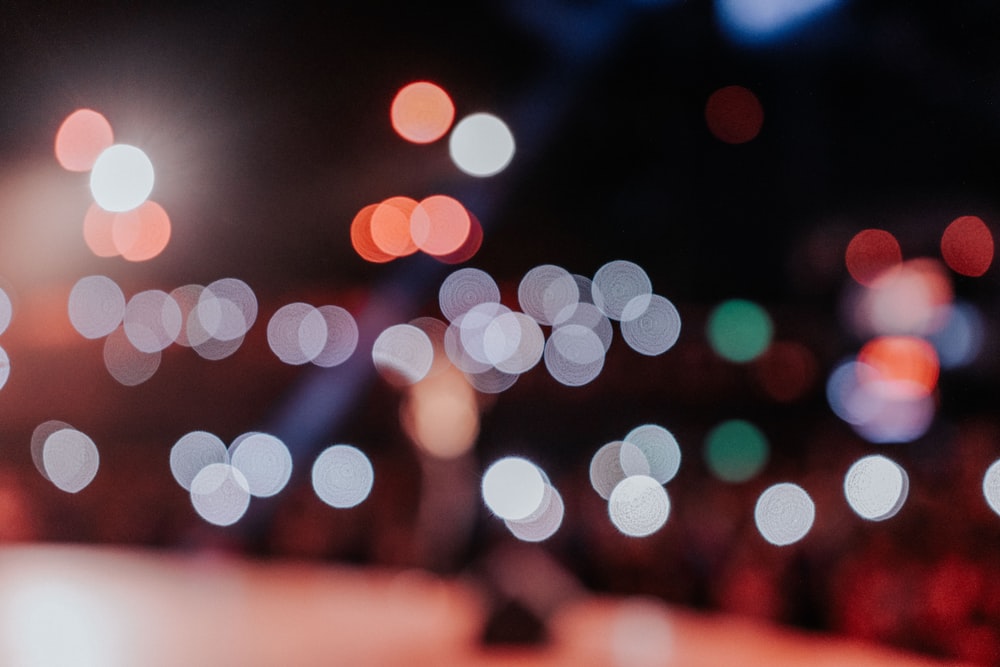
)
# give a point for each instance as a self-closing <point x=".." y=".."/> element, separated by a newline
<point x="142" y="233"/>
<point x="906" y="365"/>
<point x="440" y="414"/>
<point x="97" y="225"/>
<point x="81" y="138"/>
<point x="967" y="246"/>
<point x="734" y="114"/>
<point x="468" y="250"/>
<point x="440" y="225"/>
<point x="361" y="237"/>
<point x="870" y="254"/>
<point x="390" y="226"/>
<point x="422" y="112"/>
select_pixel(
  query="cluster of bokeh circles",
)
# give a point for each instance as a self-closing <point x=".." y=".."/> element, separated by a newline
<point x="221" y="480"/>
<point x="494" y="344"/>
<point x="122" y="221"/>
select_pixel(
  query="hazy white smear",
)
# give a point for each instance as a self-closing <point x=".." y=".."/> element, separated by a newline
<point x="342" y="476"/>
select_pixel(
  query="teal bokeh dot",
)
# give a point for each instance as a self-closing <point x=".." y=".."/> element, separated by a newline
<point x="736" y="450"/>
<point x="739" y="330"/>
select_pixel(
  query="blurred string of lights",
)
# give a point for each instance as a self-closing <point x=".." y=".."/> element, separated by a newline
<point x="886" y="392"/>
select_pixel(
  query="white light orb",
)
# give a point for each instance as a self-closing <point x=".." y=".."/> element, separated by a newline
<point x="513" y="488"/>
<point x="481" y="145"/>
<point x="122" y="178"/>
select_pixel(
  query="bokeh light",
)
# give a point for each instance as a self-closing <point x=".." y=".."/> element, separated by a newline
<point x="660" y="449"/>
<point x="543" y="523"/>
<point x="904" y="366"/>
<point x="361" y="237"/>
<point x="440" y="414"/>
<point x="764" y="21"/>
<point x="342" y="476"/>
<point x="96" y="306"/>
<point x="121" y="178"/>
<point x="960" y="339"/>
<point x="991" y="486"/>
<point x="589" y="316"/>
<point x="784" y="514"/>
<point x="654" y="331"/>
<point x="464" y="289"/>
<point x="870" y="253"/>
<point x="613" y="462"/>
<point x="639" y="506"/>
<point x="220" y="494"/>
<point x="967" y="246"/>
<point x="734" y="114"/>
<point x="70" y="459"/>
<point x="4" y="367"/>
<point x="226" y="310"/>
<point x="265" y="462"/>
<point x="547" y="290"/>
<point x="440" y="225"/>
<point x="469" y="248"/>
<point x="620" y="284"/>
<point x="908" y="300"/>
<point x="876" y="487"/>
<point x="39" y="435"/>
<point x="390" y="226"/>
<point x="739" y="330"/>
<point x="98" y="231"/>
<point x="194" y="451"/>
<point x="513" y="488"/>
<point x="142" y="233"/>
<point x="152" y="321"/>
<point x="513" y="342"/>
<point x="341" y="336"/>
<point x="83" y="136"/>
<point x="422" y="112"/>
<point x="403" y="354"/>
<point x="574" y="355"/>
<point x="126" y="364"/>
<point x="481" y="145"/>
<point x="297" y="333"/>
<point x="736" y="450"/>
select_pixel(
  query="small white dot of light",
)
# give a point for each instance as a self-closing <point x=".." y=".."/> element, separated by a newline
<point x="186" y="297"/>
<point x="456" y="352"/>
<point x="220" y="494"/>
<point x="660" y="449"/>
<point x="237" y="293"/>
<point x="513" y="488"/>
<point x="543" y="523"/>
<point x="465" y="288"/>
<point x="152" y="321"/>
<point x="284" y="333"/>
<point x="474" y="325"/>
<point x="876" y="488"/>
<point x="615" y="285"/>
<point x="574" y="355"/>
<point x="654" y="331"/>
<point x="481" y="145"/>
<point x="194" y="451"/>
<point x="38" y="438"/>
<point x="492" y="381"/>
<point x="70" y="459"/>
<point x="639" y="506"/>
<point x="991" y="486"/>
<point x="4" y="367"/>
<point x="403" y="353"/>
<point x="96" y="306"/>
<point x="784" y="514"/>
<point x="898" y="419"/>
<point x="121" y="178"/>
<point x="126" y="364"/>
<point x="529" y="347"/>
<point x="846" y="394"/>
<point x="545" y="291"/>
<point x="342" y="337"/>
<point x="588" y="315"/>
<point x="608" y="466"/>
<point x="342" y="476"/>
<point x="6" y="311"/>
<point x="264" y="461"/>
<point x="642" y="634"/>
<point x="214" y="349"/>
<point x="960" y="340"/>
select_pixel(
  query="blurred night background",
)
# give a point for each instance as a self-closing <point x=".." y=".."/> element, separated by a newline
<point x="268" y="125"/>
